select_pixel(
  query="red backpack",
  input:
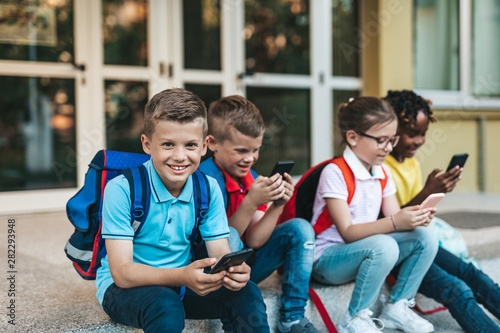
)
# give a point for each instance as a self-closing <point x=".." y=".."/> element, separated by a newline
<point x="302" y="201"/>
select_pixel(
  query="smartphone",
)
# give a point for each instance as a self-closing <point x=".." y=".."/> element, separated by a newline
<point x="282" y="167"/>
<point x="432" y="200"/>
<point x="231" y="259"/>
<point x="457" y="159"/>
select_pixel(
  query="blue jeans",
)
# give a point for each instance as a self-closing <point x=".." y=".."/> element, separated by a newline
<point x="460" y="287"/>
<point x="160" y="309"/>
<point x="368" y="261"/>
<point x="291" y="245"/>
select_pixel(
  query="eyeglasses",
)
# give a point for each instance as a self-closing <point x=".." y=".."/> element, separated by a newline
<point x="383" y="141"/>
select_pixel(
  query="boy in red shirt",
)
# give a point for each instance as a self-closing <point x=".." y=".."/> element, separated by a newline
<point x="235" y="136"/>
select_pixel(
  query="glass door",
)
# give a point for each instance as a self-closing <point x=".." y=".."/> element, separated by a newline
<point x="73" y="85"/>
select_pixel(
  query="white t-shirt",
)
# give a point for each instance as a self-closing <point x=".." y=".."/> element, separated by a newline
<point x="366" y="201"/>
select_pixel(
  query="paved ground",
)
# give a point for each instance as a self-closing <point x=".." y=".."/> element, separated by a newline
<point x="51" y="297"/>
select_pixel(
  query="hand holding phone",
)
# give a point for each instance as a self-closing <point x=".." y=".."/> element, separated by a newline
<point x="457" y="159"/>
<point x="432" y="200"/>
<point x="231" y="259"/>
<point x="282" y="167"/>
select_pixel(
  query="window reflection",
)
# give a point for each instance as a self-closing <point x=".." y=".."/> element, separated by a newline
<point x="207" y="93"/>
<point x="485" y="79"/>
<point x="436" y="45"/>
<point x="37" y="133"/>
<point x="202" y="34"/>
<point x="39" y="30"/>
<point x="125" y="32"/>
<point x="346" y="37"/>
<point x="277" y="36"/>
<point x="124" y="107"/>
<point x="287" y="137"/>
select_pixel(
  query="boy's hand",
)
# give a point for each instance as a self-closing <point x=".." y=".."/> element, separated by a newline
<point x="409" y="218"/>
<point x="288" y="191"/>
<point x="198" y="281"/>
<point x="266" y="189"/>
<point x="236" y="277"/>
<point x="443" y="183"/>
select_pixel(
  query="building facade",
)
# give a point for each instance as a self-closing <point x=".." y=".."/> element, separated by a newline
<point x="75" y="76"/>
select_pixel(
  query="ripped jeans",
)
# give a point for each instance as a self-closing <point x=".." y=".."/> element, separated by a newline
<point x="292" y="245"/>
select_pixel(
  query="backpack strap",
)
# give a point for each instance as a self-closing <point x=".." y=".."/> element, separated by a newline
<point x="201" y="197"/>
<point x="201" y="193"/>
<point x="140" y="194"/>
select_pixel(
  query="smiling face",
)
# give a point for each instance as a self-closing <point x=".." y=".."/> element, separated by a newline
<point x="366" y="149"/>
<point x="237" y="154"/>
<point x="176" y="150"/>
<point x="411" y="137"/>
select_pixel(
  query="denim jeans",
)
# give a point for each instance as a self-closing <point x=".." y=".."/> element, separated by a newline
<point x="160" y="309"/>
<point x="291" y="245"/>
<point x="368" y="261"/>
<point x="460" y="287"/>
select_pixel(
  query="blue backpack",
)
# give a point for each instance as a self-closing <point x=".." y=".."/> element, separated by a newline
<point x="85" y="248"/>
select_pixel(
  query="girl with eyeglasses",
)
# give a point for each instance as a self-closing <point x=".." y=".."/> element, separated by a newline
<point x="354" y="243"/>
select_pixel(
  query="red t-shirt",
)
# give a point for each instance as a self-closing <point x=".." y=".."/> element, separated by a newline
<point x="237" y="192"/>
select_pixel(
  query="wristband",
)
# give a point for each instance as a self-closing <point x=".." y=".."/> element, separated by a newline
<point x="394" y="223"/>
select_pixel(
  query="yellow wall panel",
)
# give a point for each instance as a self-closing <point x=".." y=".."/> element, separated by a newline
<point x="492" y="156"/>
<point x="446" y="138"/>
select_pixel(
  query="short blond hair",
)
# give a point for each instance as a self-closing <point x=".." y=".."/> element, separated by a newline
<point x="234" y="112"/>
<point x="174" y="104"/>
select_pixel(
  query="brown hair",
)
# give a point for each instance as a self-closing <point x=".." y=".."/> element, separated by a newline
<point x="234" y="112"/>
<point x="361" y="113"/>
<point x="174" y="104"/>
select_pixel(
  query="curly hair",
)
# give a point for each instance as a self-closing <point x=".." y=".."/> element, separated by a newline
<point x="407" y="104"/>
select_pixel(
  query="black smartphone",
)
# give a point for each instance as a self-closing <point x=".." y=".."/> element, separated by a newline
<point x="282" y="167"/>
<point x="231" y="259"/>
<point x="457" y="159"/>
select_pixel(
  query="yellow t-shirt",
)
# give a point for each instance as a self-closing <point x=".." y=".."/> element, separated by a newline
<point x="407" y="176"/>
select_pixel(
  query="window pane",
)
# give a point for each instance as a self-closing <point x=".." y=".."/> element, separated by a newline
<point x="485" y="49"/>
<point x="345" y="34"/>
<point x="37" y="31"/>
<point x="207" y="93"/>
<point x="201" y="34"/>
<point x="436" y="45"/>
<point x="124" y="32"/>
<point x="339" y="97"/>
<point x="125" y="102"/>
<point x="287" y="137"/>
<point x="277" y="36"/>
<point x="37" y="133"/>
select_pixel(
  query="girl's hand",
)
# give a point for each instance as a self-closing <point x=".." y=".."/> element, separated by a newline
<point x="443" y="183"/>
<point x="287" y="192"/>
<point x="236" y="277"/>
<point x="409" y="218"/>
<point x="198" y="281"/>
<point x="266" y="189"/>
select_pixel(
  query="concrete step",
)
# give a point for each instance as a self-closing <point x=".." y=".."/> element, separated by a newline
<point x="51" y="297"/>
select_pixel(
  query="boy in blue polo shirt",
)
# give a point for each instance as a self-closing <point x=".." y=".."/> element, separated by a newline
<point x="235" y="135"/>
<point x="141" y="277"/>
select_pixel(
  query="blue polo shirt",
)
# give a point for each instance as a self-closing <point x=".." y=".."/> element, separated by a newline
<point x="163" y="240"/>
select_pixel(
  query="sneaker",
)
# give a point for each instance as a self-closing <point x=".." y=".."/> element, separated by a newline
<point x="303" y="326"/>
<point x="361" y="323"/>
<point x="400" y="316"/>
